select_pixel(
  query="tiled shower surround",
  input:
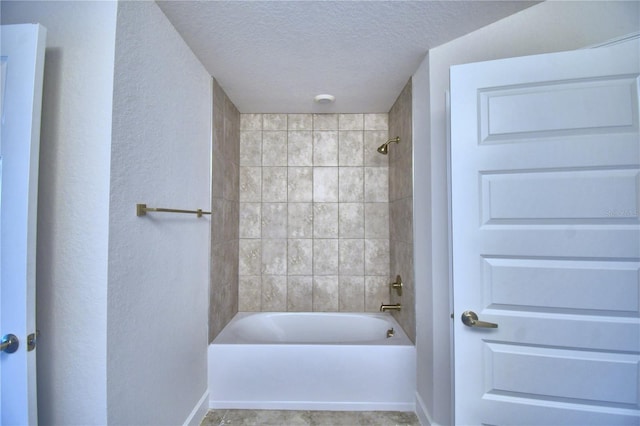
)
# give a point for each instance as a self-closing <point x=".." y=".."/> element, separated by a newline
<point x="223" y="287"/>
<point x="314" y="212"/>
<point x="401" y="209"/>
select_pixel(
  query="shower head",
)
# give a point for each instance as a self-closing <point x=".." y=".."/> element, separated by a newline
<point x="384" y="148"/>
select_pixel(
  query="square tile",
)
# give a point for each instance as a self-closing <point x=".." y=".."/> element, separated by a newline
<point x="300" y="184"/>
<point x="250" y="183"/>
<point x="376" y="184"/>
<point x="351" y="257"/>
<point x="373" y="139"/>
<point x="325" y="148"/>
<point x="351" y="184"/>
<point x="249" y="293"/>
<point x="351" y="220"/>
<point x="325" y="220"/>
<point x="376" y="121"/>
<point x="250" y="220"/>
<point x="251" y="148"/>
<point x="300" y="148"/>
<point x="325" y="184"/>
<point x="376" y="257"/>
<point x="325" y="121"/>
<point x="350" y="121"/>
<point x="274" y="148"/>
<point x="250" y="257"/>
<point x="300" y="220"/>
<point x="376" y="220"/>
<point x="300" y="122"/>
<point x="299" y="293"/>
<point x="350" y="148"/>
<point x="274" y="293"/>
<point x="325" y="257"/>
<point x="274" y="184"/>
<point x="274" y="122"/>
<point x="325" y="294"/>
<point x="250" y="121"/>
<point x="300" y="257"/>
<point x="274" y="220"/>
<point x="351" y="293"/>
<point x="274" y="257"/>
<point x="376" y="292"/>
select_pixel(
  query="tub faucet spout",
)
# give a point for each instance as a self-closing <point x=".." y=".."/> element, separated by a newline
<point x="395" y="307"/>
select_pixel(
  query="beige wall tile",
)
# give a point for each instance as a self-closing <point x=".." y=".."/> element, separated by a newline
<point x="350" y="121"/>
<point x="376" y="292"/>
<point x="250" y="257"/>
<point x="300" y="220"/>
<point x="376" y="121"/>
<point x="325" y="257"/>
<point x="274" y="220"/>
<point x="325" y="293"/>
<point x="300" y="122"/>
<point x="274" y="148"/>
<point x="325" y="148"/>
<point x="312" y="188"/>
<point x="274" y="122"/>
<point x="351" y="257"/>
<point x="274" y="257"/>
<point x="300" y="148"/>
<point x="325" y="220"/>
<point x="300" y="257"/>
<point x="250" y="183"/>
<point x="373" y="139"/>
<point x="350" y="184"/>
<point x="274" y="293"/>
<point x="250" y="121"/>
<point x="251" y="148"/>
<point x="376" y="257"/>
<point x="300" y="293"/>
<point x="300" y="184"/>
<point x="325" y="121"/>
<point x="376" y="184"/>
<point x="351" y="297"/>
<point x="325" y="184"/>
<point x="274" y="184"/>
<point x="250" y="220"/>
<point x="350" y="148"/>
<point x="250" y="293"/>
<point x="351" y="220"/>
<point x="376" y="220"/>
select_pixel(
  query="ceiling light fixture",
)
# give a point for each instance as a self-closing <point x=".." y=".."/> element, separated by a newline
<point x="324" y="99"/>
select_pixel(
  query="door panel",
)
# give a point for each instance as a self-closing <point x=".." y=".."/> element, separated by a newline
<point x="23" y="48"/>
<point x="546" y="238"/>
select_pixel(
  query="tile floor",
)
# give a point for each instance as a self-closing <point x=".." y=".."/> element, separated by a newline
<point x="308" y="418"/>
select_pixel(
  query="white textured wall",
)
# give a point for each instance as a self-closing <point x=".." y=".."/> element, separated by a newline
<point x="548" y="27"/>
<point x="158" y="264"/>
<point x="73" y="206"/>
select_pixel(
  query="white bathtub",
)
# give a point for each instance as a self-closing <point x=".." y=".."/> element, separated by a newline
<point x="312" y="361"/>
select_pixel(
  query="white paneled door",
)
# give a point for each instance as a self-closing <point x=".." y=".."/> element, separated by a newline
<point x="545" y="160"/>
<point x="22" y="58"/>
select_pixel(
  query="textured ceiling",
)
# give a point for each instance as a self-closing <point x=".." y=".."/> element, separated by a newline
<point x="275" y="56"/>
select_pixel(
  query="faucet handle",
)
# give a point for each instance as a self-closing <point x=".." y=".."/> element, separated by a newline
<point x="397" y="285"/>
<point x="395" y="307"/>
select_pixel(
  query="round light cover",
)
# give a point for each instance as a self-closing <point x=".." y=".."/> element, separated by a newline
<point x="324" y="99"/>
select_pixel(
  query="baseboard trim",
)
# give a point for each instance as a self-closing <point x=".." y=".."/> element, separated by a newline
<point x="199" y="411"/>
<point x="313" y="405"/>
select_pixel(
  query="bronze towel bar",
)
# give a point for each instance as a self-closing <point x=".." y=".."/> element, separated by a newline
<point x="142" y="209"/>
